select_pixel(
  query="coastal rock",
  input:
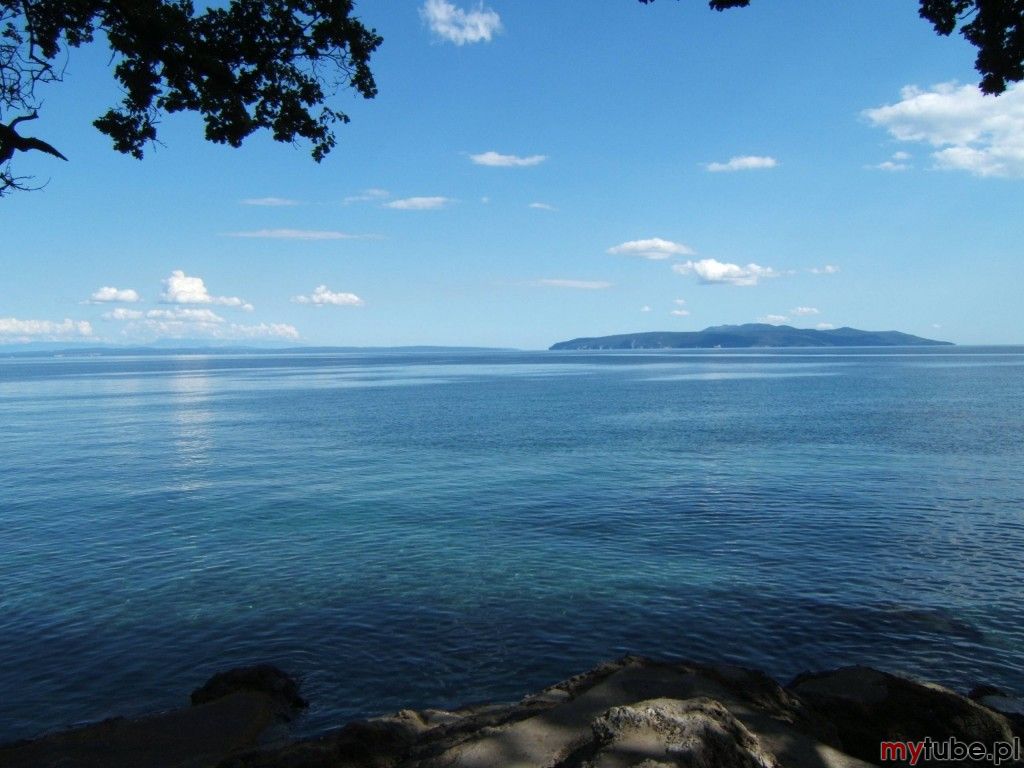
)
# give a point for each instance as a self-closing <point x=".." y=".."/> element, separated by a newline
<point x="868" y="707"/>
<point x="191" y="737"/>
<point x="1005" y="703"/>
<point x="380" y="742"/>
<point x="631" y="713"/>
<point x="698" y="733"/>
<point x="261" y="678"/>
<point x="645" y="713"/>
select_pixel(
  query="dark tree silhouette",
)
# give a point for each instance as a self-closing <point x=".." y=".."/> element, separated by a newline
<point x="250" y="65"/>
<point x="994" y="27"/>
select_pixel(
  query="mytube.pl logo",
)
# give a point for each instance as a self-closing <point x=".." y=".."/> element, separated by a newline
<point x="932" y="750"/>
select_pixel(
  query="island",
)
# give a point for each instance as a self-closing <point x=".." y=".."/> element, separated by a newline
<point x="748" y="336"/>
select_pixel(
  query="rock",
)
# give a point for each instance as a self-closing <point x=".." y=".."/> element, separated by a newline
<point x="631" y="713"/>
<point x="262" y="678"/>
<point x="697" y="733"/>
<point x="191" y="737"/>
<point x="377" y="743"/>
<point x="1001" y="701"/>
<point x="868" y="707"/>
<point x="639" y="712"/>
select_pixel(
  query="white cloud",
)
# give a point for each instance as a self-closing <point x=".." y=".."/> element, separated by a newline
<point x="714" y="271"/>
<point x="743" y="163"/>
<point x="824" y="326"/>
<point x="123" y="314"/>
<point x="652" y="248"/>
<point x="679" y="302"/>
<point x="680" y="312"/>
<point x="323" y="296"/>
<point x="645" y="308"/>
<point x="273" y="202"/>
<point x="191" y="315"/>
<point x="297" y="234"/>
<point x="180" y="288"/>
<point x="263" y="331"/>
<point x="773" y="319"/>
<point x="889" y="165"/>
<point x="367" y="195"/>
<point x="496" y="160"/>
<point x="152" y="328"/>
<point x="108" y="293"/>
<point x="14" y="330"/>
<point x="586" y="285"/>
<point x="804" y="311"/>
<point x="898" y="162"/>
<point x="983" y="135"/>
<point x="542" y="207"/>
<point x="451" y="23"/>
<point x="418" y="203"/>
<point x="828" y="269"/>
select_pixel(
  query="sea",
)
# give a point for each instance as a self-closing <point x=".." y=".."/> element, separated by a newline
<point x="429" y="528"/>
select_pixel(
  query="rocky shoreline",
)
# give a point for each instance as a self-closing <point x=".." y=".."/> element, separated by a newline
<point x="632" y="712"/>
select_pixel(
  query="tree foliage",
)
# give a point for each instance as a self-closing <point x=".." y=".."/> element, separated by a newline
<point x="248" y="65"/>
<point x="994" y="27"/>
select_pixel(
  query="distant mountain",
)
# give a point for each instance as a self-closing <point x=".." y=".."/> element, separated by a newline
<point x="751" y="335"/>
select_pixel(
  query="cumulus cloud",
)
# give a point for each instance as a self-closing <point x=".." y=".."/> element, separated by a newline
<point x="742" y="163"/>
<point x="585" y="285"/>
<point x="272" y="202"/>
<point x="680" y="312"/>
<point x="897" y="162"/>
<point x="773" y="319"/>
<point x="712" y="271"/>
<point x="323" y="296"/>
<point x="418" y="203"/>
<point x="652" y="248"/>
<point x="180" y="288"/>
<point x="123" y="314"/>
<point x="828" y="269"/>
<point x="14" y="330"/>
<point x="969" y="131"/>
<point x="889" y="165"/>
<point x="496" y="160"/>
<point x="155" y="328"/>
<point x="110" y="294"/>
<point x="645" y="308"/>
<point x="191" y="315"/>
<point x="449" y="22"/>
<point x="804" y="311"/>
<point x="297" y="234"/>
<point x="263" y="331"/>
<point x="542" y="207"/>
<point x="367" y="195"/>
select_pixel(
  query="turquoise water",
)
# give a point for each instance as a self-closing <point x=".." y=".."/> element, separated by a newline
<point x="427" y="529"/>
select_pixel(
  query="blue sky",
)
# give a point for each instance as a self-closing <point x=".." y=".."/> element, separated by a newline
<point x="532" y="172"/>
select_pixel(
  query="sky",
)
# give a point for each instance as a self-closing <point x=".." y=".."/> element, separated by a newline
<point x="532" y="172"/>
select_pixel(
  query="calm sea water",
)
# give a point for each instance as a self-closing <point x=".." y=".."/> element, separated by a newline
<point x="427" y="529"/>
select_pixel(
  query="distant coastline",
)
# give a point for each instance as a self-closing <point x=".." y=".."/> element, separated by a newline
<point x="748" y="336"/>
<point x="63" y="350"/>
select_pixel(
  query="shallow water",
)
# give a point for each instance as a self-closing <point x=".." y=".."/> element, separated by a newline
<point x="430" y="528"/>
